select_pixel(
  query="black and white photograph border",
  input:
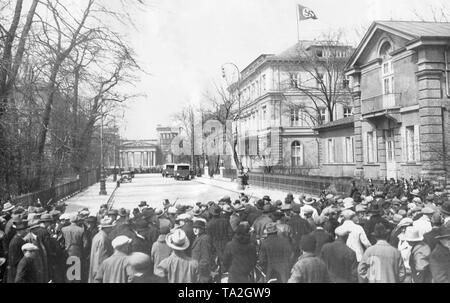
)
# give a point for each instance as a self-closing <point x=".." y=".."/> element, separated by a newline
<point x="219" y="142"/>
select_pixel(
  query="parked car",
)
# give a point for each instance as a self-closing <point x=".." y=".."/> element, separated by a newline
<point x="168" y="170"/>
<point x="126" y="176"/>
<point x="183" y="172"/>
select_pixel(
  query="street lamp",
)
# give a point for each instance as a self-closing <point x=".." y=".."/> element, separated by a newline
<point x="238" y="118"/>
<point x="102" y="168"/>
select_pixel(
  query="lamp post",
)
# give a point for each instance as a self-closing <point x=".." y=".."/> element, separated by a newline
<point x="238" y="119"/>
<point x="102" y="168"/>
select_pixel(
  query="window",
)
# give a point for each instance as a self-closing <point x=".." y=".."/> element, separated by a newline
<point x="263" y="83"/>
<point x="322" y="114"/>
<point x="347" y="111"/>
<point x="330" y="149"/>
<point x="294" y="79"/>
<point x="411" y="143"/>
<point x="371" y="147"/>
<point x="297" y="154"/>
<point x="264" y="116"/>
<point x="319" y="53"/>
<point x="349" y="150"/>
<point x="387" y="70"/>
<point x="294" y="117"/>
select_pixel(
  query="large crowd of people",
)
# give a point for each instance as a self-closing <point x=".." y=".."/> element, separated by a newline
<point x="395" y="233"/>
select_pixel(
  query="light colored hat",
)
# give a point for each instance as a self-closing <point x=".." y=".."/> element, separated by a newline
<point x="411" y="206"/>
<point x="368" y="199"/>
<point x="329" y="197"/>
<point x="404" y="199"/>
<point x="139" y="261"/>
<point x="417" y="200"/>
<point x="348" y="214"/>
<point x="427" y="210"/>
<point x="120" y="241"/>
<point x="402" y="212"/>
<point x="412" y="234"/>
<point x="405" y="222"/>
<point x="106" y="222"/>
<point x="64" y="217"/>
<point x="8" y="206"/>
<point x="397" y="218"/>
<point x="309" y="200"/>
<point x="177" y="240"/>
<point x="415" y="192"/>
<point x="172" y="210"/>
<point x="227" y="208"/>
<point x="347" y="205"/>
<point x="183" y="217"/>
<point x="200" y="219"/>
<point x="29" y="247"/>
<point x="341" y="231"/>
<point x="348" y="200"/>
<point x="360" y="208"/>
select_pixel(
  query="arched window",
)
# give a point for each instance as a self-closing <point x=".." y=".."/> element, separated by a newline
<point x="297" y="154"/>
<point x="387" y="70"/>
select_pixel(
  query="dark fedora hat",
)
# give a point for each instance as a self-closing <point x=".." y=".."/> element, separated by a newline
<point x="21" y="225"/>
<point x="199" y="224"/>
<point x="445" y="208"/>
<point x="380" y="231"/>
<point x="143" y="203"/>
<point x="375" y="209"/>
<point x="215" y="210"/>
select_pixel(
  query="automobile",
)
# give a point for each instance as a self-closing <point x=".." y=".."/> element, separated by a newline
<point x="126" y="176"/>
<point x="168" y="170"/>
<point x="183" y="172"/>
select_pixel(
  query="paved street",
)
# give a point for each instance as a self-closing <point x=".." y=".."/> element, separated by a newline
<point x="152" y="188"/>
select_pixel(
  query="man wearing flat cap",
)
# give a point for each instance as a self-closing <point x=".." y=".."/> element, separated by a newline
<point x="101" y="247"/>
<point x="340" y="259"/>
<point x="27" y="270"/>
<point x="116" y="269"/>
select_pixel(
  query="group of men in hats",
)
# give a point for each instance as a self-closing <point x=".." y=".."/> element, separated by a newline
<point x="371" y="236"/>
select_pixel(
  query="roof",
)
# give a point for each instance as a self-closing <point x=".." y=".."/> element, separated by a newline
<point x="409" y="30"/>
<point x="337" y="123"/>
<point x="294" y="52"/>
<point x="419" y="29"/>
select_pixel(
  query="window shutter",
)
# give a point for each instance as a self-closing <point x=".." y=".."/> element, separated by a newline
<point x="344" y="151"/>
<point x="375" y="147"/>
<point x="365" y="150"/>
<point x="417" y="143"/>
<point x="404" y="147"/>
<point x="301" y="155"/>
<point x="352" y="151"/>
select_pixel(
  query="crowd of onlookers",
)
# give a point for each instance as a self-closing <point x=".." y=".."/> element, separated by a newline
<point x="396" y="232"/>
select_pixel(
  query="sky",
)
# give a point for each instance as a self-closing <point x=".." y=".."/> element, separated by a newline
<point x="182" y="44"/>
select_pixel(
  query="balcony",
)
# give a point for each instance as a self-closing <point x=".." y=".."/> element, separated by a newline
<point x="381" y="105"/>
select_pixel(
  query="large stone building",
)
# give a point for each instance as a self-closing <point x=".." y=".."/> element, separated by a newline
<point x="400" y="82"/>
<point x="277" y="93"/>
<point x="138" y="154"/>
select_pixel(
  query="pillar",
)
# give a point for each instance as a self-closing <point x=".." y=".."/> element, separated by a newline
<point x="359" y="153"/>
<point x="153" y="159"/>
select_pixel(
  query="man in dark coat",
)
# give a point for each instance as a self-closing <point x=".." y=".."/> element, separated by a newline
<point x="202" y="251"/>
<point x="27" y="271"/>
<point x="299" y="227"/>
<point x="320" y="234"/>
<point x="440" y="258"/>
<point x="275" y="255"/>
<point x="376" y="217"/>
<point x="15" y="253"/>
<point x="340" y="259"/>
<point x="309" y="268"/>
<point x="253" y="215"/>
<point x="220" y="232"/>
<point x="240" y="256"/>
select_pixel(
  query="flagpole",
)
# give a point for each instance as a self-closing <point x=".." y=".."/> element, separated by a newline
<point x="298" y="23"/>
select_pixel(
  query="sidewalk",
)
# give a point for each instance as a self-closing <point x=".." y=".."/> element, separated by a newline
<point x="253" y="192"/>
<point x="90" y="197"/>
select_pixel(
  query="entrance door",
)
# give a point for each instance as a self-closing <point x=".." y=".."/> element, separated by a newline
<point x="391" y="165"/>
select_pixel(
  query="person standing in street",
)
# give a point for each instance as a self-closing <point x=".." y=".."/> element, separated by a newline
<point x="381" y="263"/>
<point x="116" y="269"/>
<point x="27" y="272"/>
<point x="202" y="251"/>
<point x="178" y="267"/>
<point x="419" y="260"/>
<point x="101" y="248"/>
<point x="340" y="259"/>
<point x="440" y="258"/>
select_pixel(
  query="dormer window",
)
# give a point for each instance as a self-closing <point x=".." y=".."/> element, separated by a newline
<point x="319" y="53"/>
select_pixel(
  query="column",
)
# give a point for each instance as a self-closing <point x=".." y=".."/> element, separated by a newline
<point x="429" y="78"/>
<point x="356" y="93"/>
<point x="142" y="159"/>
<point x="153" y="159"/>
<point x="148" y="159"/>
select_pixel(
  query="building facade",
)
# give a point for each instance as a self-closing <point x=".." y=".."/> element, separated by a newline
<point x="279" y="106"/>
<point x="138" y="154"/>
<point x="400" y="84"/>
<point x="165" y="136"/>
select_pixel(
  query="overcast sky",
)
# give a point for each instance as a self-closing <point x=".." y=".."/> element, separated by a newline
<point x="183" y="43"/>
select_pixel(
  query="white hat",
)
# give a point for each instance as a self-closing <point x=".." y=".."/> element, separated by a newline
<point x="412" y="234"/>
<point x="368" y="199"/>
<point x="120" y="241"/>
<point x="348" y="200"/>
<point x="348" y="214"/>
<point x="183" y="217"/>
<point x="64" y="217"/>
<point x="341" y="231"/>
<point x="172" y="210"/>
<point x="411" y="206"/>
<point x="177" y="240"/>
<point x="417" y="200"/>
<point x="200" y="219"/>
<point x="405" y="222"/>
<point x="29" y="247"/>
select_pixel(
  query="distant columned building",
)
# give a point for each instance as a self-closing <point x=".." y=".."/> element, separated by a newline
<point x="138" y="153"/>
